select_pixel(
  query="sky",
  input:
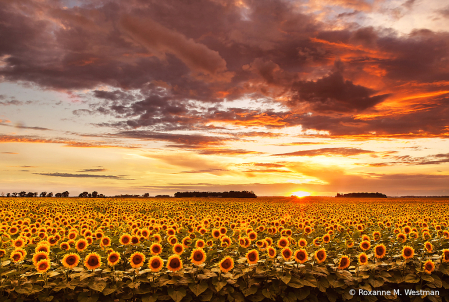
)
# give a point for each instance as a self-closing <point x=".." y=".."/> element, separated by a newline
<point x="273" y="96"/>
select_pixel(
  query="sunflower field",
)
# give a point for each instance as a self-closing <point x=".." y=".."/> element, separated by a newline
<point x="216" y="249"/>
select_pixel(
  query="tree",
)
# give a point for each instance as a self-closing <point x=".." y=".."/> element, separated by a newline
<point x="14" y="194"/>
<point x="23" y="194"/>
<point x="58" y="195"/>
<point x="94" y="194"/>
<point x="146" y="195"/>
<point x="83" y="195"/>
<point x="43" y="194"/>
<point x="8" y="195"/>
<point x="30" y="194"/>
<point x="65" y="194"/>
<point x="50" y="194"/>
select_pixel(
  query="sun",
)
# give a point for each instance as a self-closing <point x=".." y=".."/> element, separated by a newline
<point x="301" y="194"/>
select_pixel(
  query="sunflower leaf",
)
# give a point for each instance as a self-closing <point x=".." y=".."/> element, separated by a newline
<point x="177" y="295"/>
<point x="198" y="288"/>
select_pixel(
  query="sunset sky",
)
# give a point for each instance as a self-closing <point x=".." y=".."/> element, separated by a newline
<point x="274" y="96"/>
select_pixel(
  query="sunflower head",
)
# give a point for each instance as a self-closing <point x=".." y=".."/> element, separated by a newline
<point x="445" y="257"/>
<point x="43" y="266"/>
<point x="226" y="264"/>
<point x="70" y="260"/>
<point x="363" y="259"/>
<point x="344" y="262"/>
<point x="286" y="253"/>
<point x="125" y="239"/>
<point x="40" y="256"/>
<point x="92" y="261"/>
<point x="155" y="263"/>
<point x="428" y="246"/>
<point x="137" y="259"/>
<point x="429" y="266"/>
<point x="156" y="249"/>
<point x="408" y="252"/>
<point x="320" y="255"/>
<point x="252" y="257"/>
<point x="380" y="251"/>
<point x="174" y="263"/>
<point x="178" y="249"/>
<point x="283" y="242"/>
<point x="301" y="256"/>
<point x="198" y="256"/>
<point x="365" y="245"/>
<point x="200" y="243"/>
<point x="113" y="258"/>
<point x="271" y="252"/>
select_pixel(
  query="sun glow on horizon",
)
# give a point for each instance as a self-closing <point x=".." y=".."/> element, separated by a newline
<point x="301" y="194"/>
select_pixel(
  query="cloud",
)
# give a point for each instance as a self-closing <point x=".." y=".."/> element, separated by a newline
<point x="22" y="126"/>
<point x="69" y="175"/>
<point x="12" y="153"/>
<point x="328" y="152"/>
<point x="93" y="170"/>
<point x="159" y="40"/>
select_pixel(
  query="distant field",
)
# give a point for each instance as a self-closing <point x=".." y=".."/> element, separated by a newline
<point x="216" y="249"/>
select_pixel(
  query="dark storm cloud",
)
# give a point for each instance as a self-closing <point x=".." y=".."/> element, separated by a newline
<point x="176" y="63"/>
<point x="327" y="152"/>
<point x="120" y="177"/>
<point x="335" y="94"/>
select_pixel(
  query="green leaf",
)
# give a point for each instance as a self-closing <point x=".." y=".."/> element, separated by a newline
<point x="198" y="288"/>
<point x="290" y="297"/>
<point x="249" y="291"/>
<point x="98" y="285"/>
<point x="208" y="294"/>
<point x="303" y="293"/>
<point x="411" y="278"/>
<point x="177" y="295"/>
<point x="286" y="278"/>
<point x="109" y="290"/>
<point x="149" y="298"/>
<point x="84" y="297"/>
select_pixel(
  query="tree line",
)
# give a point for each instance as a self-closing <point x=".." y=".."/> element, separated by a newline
<point x="230" y="194"/>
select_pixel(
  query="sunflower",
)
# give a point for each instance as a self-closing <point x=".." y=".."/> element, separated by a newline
<point x="283" y="242"/>
<point x="2" y="253"/>
<point x="156" y="249"/>
<point x="200" y="243"/>
<point x="113" y="258"/>
<point x="379" y="251"/>
<point x="269" y="240"/>
<point x="43" y="266"/>
<point x="137" y="259"/>
<point x="428" y="246"/>
<point x="105" y="241"/>
<point x="39" y="256"/>
<point x="344" y="262"/>
<point x="302" y="242"/>
<point x="186" y="241"/>
<point x="349" y="243"/>
<point x="271" y="252"/>
<point x="70" y="260"/>
<point x="401" y="237"/>
<point x="64" y="246"/>
<point x="365" y="238"/>
<point x="426" y="235"/>
<point x="125" y="239"/>
<point x="286" y="253"/>
<point x="155" y="263"/>
<point x="308" y="230"/>
<point x="226" y="264"/>
<point x="223" y="230"/>
<point x="301" y="256"/>
<point x="19" y="242"/>
<point x="172" y="240"/>
<point x="252" y="235"/>
<point x="365" y="245"/>
<point x="429" y="266"/>
<point x="317" y="241"/>
<point x="135" y="240"/>
<point x="16" y="256"/>
<point x="198" y="256"/>
<point x="320" y="255"/>
<point x="81" y="245"/>
<point x="92" y="261"/>
<point x="445" y="257"/>
<point x="326" y="238"/>
<point x="216" y="233"/>
<point x="252" y="257"/>
<point x="42" y="248"/>
<point x="363" y="259"/>
<point x="174" y="263"/>
<point x="178" y="249"/>
<point x="157" y="238"/>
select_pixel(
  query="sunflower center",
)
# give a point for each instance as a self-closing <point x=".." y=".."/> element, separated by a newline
<point x="71" y="260"/>
<point x="16" y="257"/>
<point x="137" y="259"/>
<point x="43" y="265"/>
<point x="113" y="258"/>
<point x="252" y="257"/>
<point x="155" y="264"/>
<point x="301" y="256"/>
<point x="198" y="256"/>
<point x="93" y="261"/>
<point x="226" y="264"/>
<point x="174" y="263"/>
<point x="320" y="255"/>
